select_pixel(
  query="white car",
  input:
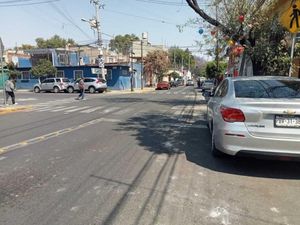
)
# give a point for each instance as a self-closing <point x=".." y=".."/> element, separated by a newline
<point x="52" y="84"/>
<point x="92" y="84"/>
<point x="256" y="116"/>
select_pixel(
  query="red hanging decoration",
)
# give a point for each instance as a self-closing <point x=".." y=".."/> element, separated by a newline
<point x="241" y="18"/>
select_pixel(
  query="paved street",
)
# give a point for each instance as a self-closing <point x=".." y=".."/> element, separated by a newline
<point x="129" y="159"/>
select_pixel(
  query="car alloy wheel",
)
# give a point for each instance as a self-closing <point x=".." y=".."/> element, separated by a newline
<point x="37" y="90"/>
<point x="92" y="90"/>
<point x="55" y="89"/>
<point x="70" y="89"/>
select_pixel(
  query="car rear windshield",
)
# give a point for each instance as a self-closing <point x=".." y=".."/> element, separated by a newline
<point x="267" y="88"/>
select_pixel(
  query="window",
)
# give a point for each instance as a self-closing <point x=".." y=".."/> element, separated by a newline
<point x="78" y="74"/>
<point x="63" y="59"/>
<point x="25" y="75"/>
<point x="124" y="72"/>
<point x="267" y="89"/>
<point x="222" y="89"/>
<point x="60" y="73"/>
<point x="109" y="75"/>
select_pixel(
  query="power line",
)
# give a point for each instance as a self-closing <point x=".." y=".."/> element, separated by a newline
<point x="67" y="18"/>
<point x="24" y="4"/>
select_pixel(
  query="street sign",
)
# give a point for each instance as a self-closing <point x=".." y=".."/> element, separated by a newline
<point x="289" y="16"/>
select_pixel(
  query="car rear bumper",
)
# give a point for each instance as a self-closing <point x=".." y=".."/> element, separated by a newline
<point x="239" y="141"/>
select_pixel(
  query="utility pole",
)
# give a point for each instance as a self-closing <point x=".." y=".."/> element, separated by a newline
<point x="142" y="68"/>
<point x="95" y="24"/>
<point x="2" y="72"/>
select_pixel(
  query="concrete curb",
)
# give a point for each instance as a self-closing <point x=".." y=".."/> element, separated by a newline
<point x="10" y="109"/>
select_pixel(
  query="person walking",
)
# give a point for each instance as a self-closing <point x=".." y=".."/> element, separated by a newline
<point x="81" y="89"/>
<point x="10" y="90"/>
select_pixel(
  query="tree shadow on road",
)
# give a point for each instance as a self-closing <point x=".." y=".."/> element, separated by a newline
<point x="163" y="134"/>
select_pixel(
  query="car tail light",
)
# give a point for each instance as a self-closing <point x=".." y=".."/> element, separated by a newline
<point x="232" y="114"/>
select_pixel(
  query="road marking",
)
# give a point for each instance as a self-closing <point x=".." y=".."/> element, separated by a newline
<point x="110" y="109"/>
<point x="121" y="112"/>
<point x="77" y="109"/>
<point x="1" y="158"/>
<point x="92" y="109"/>
<point x="54" y="134"/>
<point x="64" y="108"/>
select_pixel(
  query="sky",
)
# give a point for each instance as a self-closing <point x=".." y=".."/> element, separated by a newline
<point x="23" y="21"/>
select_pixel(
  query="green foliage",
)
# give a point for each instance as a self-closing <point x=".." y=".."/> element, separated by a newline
<point x="214" y="71"/>
<point x="122" y="44"/>
<point x="180" y="57"/>
<point x="53" y="42"/>
<point x="43" y="68"/>
<point x="175" y="75"/>
<point x="25" y="47"/>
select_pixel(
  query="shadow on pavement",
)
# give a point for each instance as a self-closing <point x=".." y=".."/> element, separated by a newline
<point x="163" y="134"/>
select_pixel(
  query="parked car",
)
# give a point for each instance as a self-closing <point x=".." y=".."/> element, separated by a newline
<point x="91" y="84"/>
<point x="189" y="83"/>
<point x="163" y="85"/>
<point x="52" y="84"/>
<point x="255" y="115"/>
<point x="173" y="83"/>
<point x="207" y="85"/>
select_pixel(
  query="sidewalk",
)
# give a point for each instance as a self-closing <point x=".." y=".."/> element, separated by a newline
<point x="13" y="108"/>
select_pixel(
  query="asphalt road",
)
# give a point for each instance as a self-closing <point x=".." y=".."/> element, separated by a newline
<point x="140" y="158"/>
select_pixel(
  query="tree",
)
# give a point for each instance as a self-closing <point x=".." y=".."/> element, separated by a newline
<point x="122" y="44"/>
<point x="43" y="68"/>
<point x="249" y="24"/>
<point x="156" y="63"/>
<point x="179" y="57"/>
<point x="24" y="47"/>
<point x="53" y="42"/>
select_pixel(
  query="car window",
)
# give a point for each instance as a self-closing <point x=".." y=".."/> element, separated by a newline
<point x="267" y="88"/>
<point x="58" y="80"/>
<point x="88" y="80"/>
<point x="222" y="89"/>
<point x="66" y="80"/>
<point x="49" y="81"/>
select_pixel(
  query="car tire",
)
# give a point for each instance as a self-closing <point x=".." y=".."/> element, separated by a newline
<point x="55" y="89"/>
<point x="70" y="89"/>
<point x="92" y="90"/>
<point x="36" y="90"/>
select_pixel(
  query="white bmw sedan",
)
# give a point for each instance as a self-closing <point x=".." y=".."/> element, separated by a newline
<point x="255" y="116"/>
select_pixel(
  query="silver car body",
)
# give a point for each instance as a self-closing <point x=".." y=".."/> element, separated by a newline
<point x="91" y="84"/>
<point x="52" y="84"/>
<point x="207" y="85"/>
<point x="271" y="124"/>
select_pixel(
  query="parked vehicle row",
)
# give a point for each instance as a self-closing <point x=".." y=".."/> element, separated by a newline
<point x="91" y="84"/>
<point x="255" y="116"/>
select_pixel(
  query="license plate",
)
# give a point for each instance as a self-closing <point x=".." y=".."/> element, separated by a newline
<point x="287" y="121"/>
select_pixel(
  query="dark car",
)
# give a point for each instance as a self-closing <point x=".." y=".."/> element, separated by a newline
<point x="163" y="85"/>
<point x="174" y="83"/>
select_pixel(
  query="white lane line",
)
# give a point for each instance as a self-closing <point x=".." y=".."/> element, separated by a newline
<point x="110" y="109"/>
<point x="92" y="109"/>
<point x="77" y="109"/>
<point x="49" y="108"/>
<point x="2" y="158"/>
<point x="121" y="112"/>
<point x="64" y="108"/>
